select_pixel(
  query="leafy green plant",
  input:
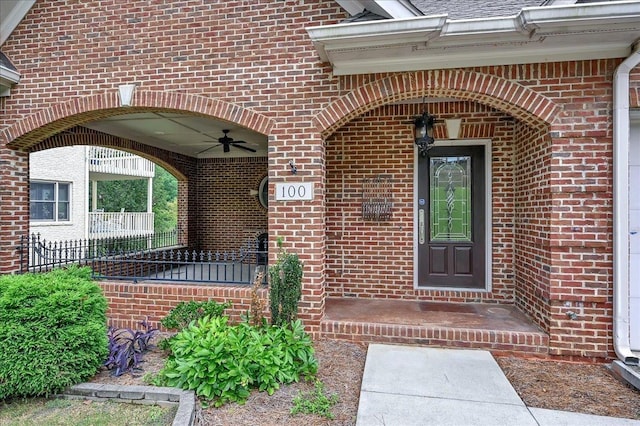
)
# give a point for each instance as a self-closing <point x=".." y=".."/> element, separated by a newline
<point x="285" y="280"/>
<point x="126" y="347"/>
<point x="52" y="331"/>
<point x="223" y="362"/>
<point x="316" y="402"/>
<point x="186" y="312"/>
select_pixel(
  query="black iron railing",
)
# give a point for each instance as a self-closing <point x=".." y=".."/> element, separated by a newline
<point x="38" y="254"/>
<point x="158" y="257"/>
<point x="239" y="267"/>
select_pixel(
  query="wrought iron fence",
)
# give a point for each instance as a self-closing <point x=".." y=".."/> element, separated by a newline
<point x="38" y="254"/>
<point x="238" y="267"/>
<point x="156" y="257"/>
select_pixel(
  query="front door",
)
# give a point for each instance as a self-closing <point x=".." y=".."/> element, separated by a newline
<point x="451" y="213"/>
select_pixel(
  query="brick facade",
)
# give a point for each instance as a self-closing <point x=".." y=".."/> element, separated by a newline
<point x="251" y="63"/>
<point x="232" y="216"/>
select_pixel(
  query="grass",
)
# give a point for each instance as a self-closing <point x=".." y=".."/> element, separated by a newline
<point x="65" y="412"/>
<point x="316" y="402"/>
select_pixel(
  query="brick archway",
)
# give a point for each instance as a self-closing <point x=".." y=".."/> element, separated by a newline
<point x="180" y="166"/>
<point x="521" y="102"/>
<point x="47" y="122"/>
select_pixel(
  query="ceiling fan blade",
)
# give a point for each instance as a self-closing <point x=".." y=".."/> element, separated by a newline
<point x="246" y="148"/>
<point x="205" y="150"/>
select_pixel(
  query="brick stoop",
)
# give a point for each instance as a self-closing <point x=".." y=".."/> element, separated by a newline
<point x="495" y="327"/>
<point x="433" y="335"/>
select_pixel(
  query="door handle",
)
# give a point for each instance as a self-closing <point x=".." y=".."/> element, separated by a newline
<point x="421" y="236"/>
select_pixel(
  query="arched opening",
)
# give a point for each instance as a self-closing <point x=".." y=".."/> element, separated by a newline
<point x="372" y="158"/>
<point x="217" y="167"/>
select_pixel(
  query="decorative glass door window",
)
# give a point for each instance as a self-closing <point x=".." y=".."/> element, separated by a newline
<point x="450" y="198"/>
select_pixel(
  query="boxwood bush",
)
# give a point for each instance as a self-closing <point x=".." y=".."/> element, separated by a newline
<point x="53" y="331"/>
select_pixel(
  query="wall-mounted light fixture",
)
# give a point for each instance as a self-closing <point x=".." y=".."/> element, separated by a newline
<point x="424" y="132"/>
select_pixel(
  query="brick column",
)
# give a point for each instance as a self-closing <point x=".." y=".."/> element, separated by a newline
<point x="14" y="207"/>
<point x="581" y="242"/>
<point x="300" y="223"/>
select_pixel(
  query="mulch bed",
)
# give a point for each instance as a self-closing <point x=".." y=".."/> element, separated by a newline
<point x="581" y="388"/>
<point x="584" y="388"/>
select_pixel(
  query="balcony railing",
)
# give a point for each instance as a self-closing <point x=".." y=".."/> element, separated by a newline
<point x="112" y="161"/>
<point x="119" y="224"/>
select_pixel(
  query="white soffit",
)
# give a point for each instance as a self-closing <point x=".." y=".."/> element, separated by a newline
<point x="11" y="13"/>
<point x="388" y="8"/>
<point x="538" y="34"/>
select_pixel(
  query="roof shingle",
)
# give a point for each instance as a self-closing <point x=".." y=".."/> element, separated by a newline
<point x="468" y="9"/>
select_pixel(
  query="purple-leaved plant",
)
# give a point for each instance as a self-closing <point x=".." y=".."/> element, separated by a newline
<point x="126" y="347"/>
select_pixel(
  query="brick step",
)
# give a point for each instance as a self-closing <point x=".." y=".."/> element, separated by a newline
<point x="494" y="340"/>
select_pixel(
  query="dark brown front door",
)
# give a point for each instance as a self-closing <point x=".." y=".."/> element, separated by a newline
<point x="451" y="212"/>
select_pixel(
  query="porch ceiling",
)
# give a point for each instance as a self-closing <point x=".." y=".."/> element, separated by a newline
<point x="182" y="133"/>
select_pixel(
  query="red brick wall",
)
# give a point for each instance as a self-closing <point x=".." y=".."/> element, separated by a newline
<point x="228" y="216"/>
<point x="131" y="303"/>
<point x="251" y="62"/>
<point x="532" y="222"/>
<point x="14" y="207"/>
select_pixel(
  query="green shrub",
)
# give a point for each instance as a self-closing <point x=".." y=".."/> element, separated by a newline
<point x="285" y="281"/>
<point x="185" y="312"/>
<point x="221" y="362"/>
<point x="53" y="331"/>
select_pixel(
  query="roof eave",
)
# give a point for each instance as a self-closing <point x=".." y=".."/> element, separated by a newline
<point x="8" y="78"/>
<point x="540" y="34"/>
<point x="388" y="8"/>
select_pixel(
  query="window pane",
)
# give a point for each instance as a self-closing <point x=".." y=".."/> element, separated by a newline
<point x="41" y="211"/>
<point x="450" y="198"/>
<point x="63" y="192"/>
<point x="42" y="191"/>
<point x="63" y="211"/>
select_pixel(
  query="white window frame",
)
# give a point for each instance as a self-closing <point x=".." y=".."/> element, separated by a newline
<point x="56" y="201"/>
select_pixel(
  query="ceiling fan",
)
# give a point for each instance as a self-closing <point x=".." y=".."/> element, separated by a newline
<point x="227" y="143"/>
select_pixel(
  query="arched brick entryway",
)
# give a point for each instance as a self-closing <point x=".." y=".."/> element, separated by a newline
<point x="58" y="126"/>
<point x="50" y="121"/>
<point x="368" y="133"/>
<point x="522" y="103"/>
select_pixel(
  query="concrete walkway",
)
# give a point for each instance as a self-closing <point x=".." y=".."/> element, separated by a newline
<point x="405" y="385"/>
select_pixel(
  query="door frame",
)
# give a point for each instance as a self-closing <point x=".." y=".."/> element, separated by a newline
<point x="487" y="212"/>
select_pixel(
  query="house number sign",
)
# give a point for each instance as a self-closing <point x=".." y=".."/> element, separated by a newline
<point x="294" y="191"/>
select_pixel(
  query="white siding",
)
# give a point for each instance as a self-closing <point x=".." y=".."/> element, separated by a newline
<point x="63" y="165"/>
<point x="634" y="234"/>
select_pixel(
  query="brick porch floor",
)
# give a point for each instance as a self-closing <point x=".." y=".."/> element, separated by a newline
<point x="500" y="328"/>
